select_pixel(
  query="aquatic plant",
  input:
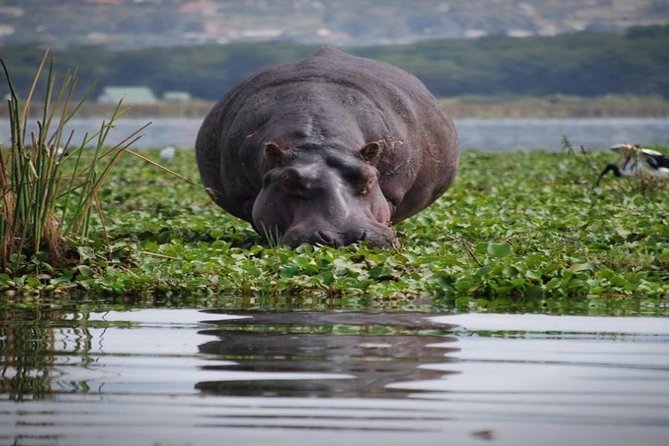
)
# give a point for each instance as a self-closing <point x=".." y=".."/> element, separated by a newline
<point x="529" y="227"/>
<point x="49" y="182"/>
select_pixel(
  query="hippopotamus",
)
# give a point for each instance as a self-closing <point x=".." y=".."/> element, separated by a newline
<point x="332" y="149"/>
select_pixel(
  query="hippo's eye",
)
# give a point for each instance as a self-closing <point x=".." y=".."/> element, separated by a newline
<point x="363" y="185"/>
<point x="362" y="180"/>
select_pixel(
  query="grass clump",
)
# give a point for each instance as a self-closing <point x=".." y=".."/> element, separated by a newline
<point x="49" y="182"/>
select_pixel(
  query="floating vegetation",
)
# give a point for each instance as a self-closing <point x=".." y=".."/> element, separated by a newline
<point x="515" y="225"/>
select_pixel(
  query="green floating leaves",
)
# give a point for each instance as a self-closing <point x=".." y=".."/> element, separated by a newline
<point x="498" y="250"/>
<point x="515" y="227"/>
<point x="381" y="273"/>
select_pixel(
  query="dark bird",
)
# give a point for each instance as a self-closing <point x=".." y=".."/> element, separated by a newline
<point x="637" y="160"/>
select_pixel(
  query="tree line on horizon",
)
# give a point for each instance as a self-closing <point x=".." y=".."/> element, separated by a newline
<point x="581" y="64"/>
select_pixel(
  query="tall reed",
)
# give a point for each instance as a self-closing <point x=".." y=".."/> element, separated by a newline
<point x="49" y="182"/>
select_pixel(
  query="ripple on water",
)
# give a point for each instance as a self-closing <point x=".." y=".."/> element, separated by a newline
<point x="177" y="377"/>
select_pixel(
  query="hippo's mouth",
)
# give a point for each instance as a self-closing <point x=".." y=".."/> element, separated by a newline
<point x="374" y="235"/>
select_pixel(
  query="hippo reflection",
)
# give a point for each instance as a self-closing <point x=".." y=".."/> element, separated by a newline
<point x="346" y="344"/>
<point x="328" y="150"/>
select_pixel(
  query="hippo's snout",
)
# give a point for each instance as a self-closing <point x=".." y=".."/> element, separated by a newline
<point x="380" y="237"/>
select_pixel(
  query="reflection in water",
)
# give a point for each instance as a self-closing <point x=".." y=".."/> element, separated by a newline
<point x="364" y="352"/>
<point x="166" y="377"/>
<point x="263" y="354"/>
<point x="32" y="344"/>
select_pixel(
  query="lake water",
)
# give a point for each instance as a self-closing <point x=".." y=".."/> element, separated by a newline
<point x="482" y="134"/>
<point x="185" y="377"/>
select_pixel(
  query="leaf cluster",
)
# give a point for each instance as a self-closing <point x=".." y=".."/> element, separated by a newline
<point x="525" y="226"/>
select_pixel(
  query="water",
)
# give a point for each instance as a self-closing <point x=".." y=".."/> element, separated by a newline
<point x="482" y="134"/>
<point x="546" y="134"/>
<point x="184" y="377"/>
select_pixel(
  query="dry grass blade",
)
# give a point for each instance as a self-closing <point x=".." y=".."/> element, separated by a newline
<point x="165" y="169"/>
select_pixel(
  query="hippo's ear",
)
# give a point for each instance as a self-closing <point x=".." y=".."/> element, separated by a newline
<point x="273" y="153"/>
<point x="371" y="151"/>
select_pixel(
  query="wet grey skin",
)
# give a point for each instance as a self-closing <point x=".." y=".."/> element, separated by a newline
<point x="330" y="150"/>
<point x="351" y="206"/>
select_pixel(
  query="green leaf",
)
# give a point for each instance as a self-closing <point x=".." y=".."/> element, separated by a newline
<point x="534" y="292"/>
<point x="484" y="270"/>
<point x="532" y="274"/>
<point x="289" y="272"/>
<point x="578" y="267"/>
<point x="86" y="253"/>
<point x="498" y="250"/>
<point x="326" y="278"/>
<point x="6" y="281"/>
<point x="304" y="248"/>
<point x="463" y="284"/>
<point x="381" y="272"/>
<point x="84" y="270"/>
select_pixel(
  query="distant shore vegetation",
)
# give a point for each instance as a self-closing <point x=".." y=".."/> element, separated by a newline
<point x="556" y="106"/>
<point x="590" y="65"/>
<point x="470" y="106"/>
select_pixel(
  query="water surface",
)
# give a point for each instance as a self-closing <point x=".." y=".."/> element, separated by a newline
<point x="184" y="377"/>
<point x="481" y="134"/>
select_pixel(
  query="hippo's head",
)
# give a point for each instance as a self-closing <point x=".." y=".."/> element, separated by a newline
<point x="322" y="196"/>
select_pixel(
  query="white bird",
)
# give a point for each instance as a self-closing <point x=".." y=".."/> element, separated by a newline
<point x="167" y="154"/>
<point x="58" y="152"/>
<point x="637" y="160"/>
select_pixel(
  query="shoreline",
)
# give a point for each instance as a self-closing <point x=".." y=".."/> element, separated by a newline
<point x="610" y="106"/>
<point x="489" y="107"/>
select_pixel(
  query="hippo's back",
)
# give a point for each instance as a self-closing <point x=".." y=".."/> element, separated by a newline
<point x="374" y="78"/>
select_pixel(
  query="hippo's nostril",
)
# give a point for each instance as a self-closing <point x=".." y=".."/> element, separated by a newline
<point x="381" y="237"/>
<point x="298" y="235"/>
<point x="355" y="235"/>
<point x="327" y="238"/>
